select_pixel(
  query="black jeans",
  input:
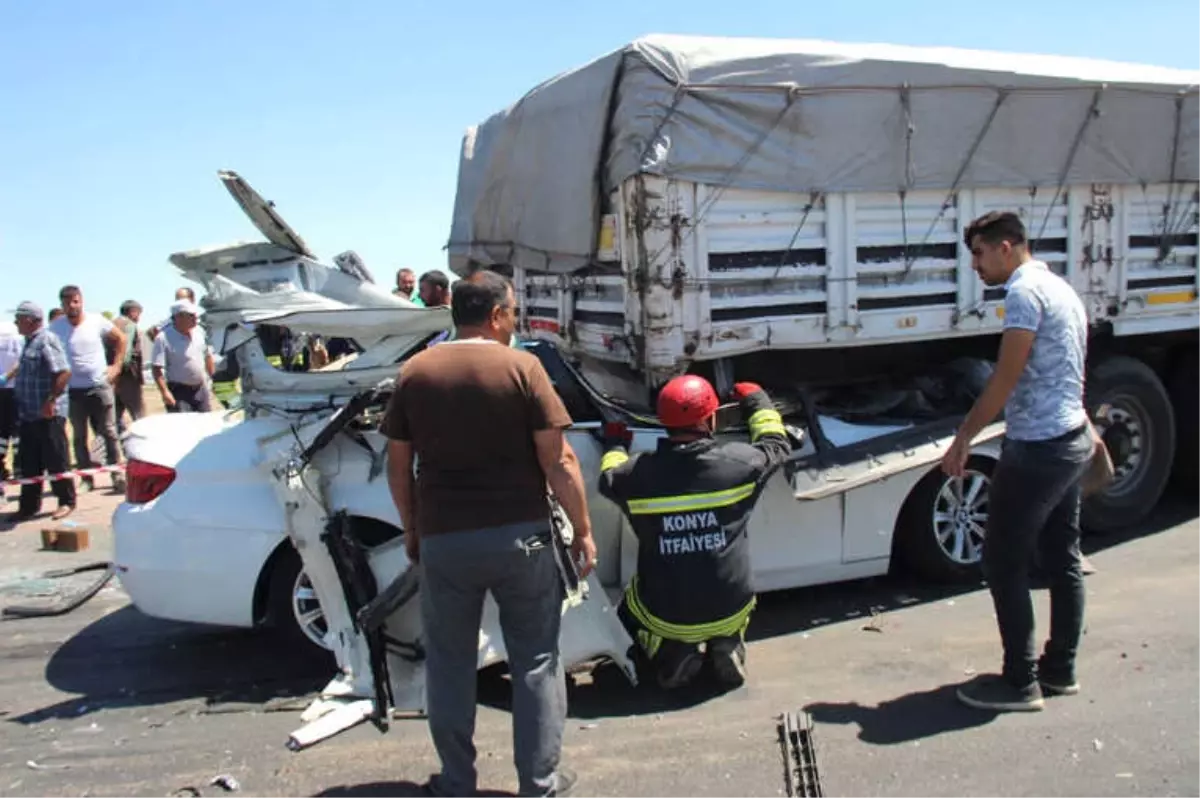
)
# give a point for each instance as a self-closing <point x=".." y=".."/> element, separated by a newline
<point x="1034" y="502"/>
<point x="44" y="451"/>
<point x="189" y="398"/>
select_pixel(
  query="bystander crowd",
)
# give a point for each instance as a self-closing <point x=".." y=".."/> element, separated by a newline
<point x="182" y="362"/>
<point x="40" y="389"/>
<point x="131" y="378"/>
<point x="92" y="402"/>
<point x="406" y="284"/>
<point x="434" y="289"/>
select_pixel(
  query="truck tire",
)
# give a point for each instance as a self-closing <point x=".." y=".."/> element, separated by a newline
<point x="1184" y="388"/>
<point x="939" y="535"/>
<point x="1139" y="430"/>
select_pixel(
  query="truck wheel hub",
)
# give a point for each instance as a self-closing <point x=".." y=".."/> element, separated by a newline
<point x="1123" y="437"/>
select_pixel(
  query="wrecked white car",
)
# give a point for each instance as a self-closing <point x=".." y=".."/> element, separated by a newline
<point x="281" y="510"/>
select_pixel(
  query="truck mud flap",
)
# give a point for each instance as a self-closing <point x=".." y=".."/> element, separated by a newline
<point x="818" y="476"/>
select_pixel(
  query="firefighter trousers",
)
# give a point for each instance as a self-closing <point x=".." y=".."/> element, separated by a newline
<point x="675" y="664"/>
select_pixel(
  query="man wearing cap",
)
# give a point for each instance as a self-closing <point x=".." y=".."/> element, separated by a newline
<point x="180" y="294"/>
<point x="132" y="362"/>
<point x="40" y="388"/>
<point x="182" y="361"/>
<point x="85" y="336"/>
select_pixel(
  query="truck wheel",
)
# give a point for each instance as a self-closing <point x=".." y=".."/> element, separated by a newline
<point x="1184" y="388"/>
<point x="294" y="609"/>
<point x="940" y="532"/>
<point x="1138" y="426"/>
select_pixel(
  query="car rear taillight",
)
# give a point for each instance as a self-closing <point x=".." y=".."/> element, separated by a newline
<point x="145" y="482"/>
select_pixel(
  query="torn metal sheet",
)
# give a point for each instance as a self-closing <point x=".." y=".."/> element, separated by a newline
<point x="297" y="464"/>
<point x="815" y="481"/>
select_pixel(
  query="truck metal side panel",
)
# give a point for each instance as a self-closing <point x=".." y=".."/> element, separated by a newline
<point x="706" y="272"/>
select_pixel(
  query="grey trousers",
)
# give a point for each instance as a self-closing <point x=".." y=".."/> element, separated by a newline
<point x="128" y="389"/>
<point x="93" y="407"/>
<point x="458" y="569"/>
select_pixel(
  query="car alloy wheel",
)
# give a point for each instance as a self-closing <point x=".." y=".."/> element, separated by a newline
<point x="960" y="514"/>
<point x="310" y="617"/>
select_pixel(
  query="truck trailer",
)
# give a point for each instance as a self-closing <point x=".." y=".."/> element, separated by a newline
<point x="792" y="212"/>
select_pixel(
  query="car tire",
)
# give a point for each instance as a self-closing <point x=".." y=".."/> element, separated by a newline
<point x="935" y="541"/>
<point x="287" y="581"/>
<point x="1139" y="430"/>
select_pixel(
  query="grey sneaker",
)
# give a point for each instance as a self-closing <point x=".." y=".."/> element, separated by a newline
<point x="995" y="693"/>
<point x="565" y="780"/>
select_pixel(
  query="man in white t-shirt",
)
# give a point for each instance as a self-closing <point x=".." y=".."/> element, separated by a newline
<point x="84" y="337"/>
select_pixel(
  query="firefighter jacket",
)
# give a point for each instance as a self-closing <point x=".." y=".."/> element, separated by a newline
<point x="689" y="504"/>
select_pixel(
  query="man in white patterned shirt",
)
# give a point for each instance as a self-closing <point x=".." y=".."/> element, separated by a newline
<point x="1035" y="493"/>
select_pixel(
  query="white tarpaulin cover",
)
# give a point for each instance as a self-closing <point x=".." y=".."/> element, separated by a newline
<point x="804" y="116"/>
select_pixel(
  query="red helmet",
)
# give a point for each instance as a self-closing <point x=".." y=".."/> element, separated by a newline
<point x="686" y="401"/>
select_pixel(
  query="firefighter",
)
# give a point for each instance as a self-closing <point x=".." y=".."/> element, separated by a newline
<point x="688" y="502"/>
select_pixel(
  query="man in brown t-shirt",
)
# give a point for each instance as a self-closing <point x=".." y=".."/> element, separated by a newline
<point x="485" y="427"/>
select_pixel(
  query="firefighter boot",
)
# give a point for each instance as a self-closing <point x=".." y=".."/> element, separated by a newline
<point x="728" y="656"/>
<point x="676" y="664"/>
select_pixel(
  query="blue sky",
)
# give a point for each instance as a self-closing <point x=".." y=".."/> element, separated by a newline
<point x="349" y="115"/>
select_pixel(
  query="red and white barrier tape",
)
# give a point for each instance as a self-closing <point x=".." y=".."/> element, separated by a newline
<point x="82" y="472"/>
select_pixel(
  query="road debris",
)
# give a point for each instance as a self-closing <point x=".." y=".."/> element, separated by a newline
<point x="67" y="604"/>
<point x="875" y="624"/>
<point x="226" y="782"/>
<point x="33" y="765"/>
<point x="1098" y="745"/>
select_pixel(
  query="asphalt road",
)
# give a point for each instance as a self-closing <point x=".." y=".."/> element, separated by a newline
<point x="104" y="701"/>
